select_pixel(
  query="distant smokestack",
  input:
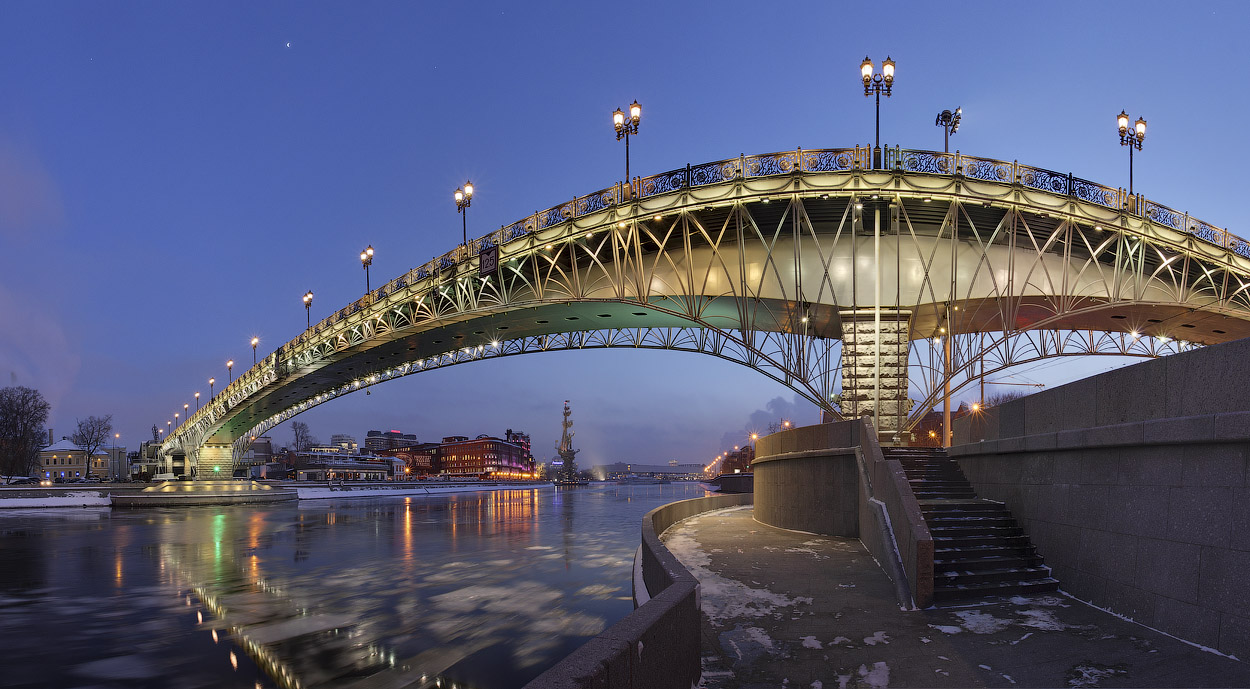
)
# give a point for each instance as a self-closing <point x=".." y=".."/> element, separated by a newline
<point x="49" y="436"/>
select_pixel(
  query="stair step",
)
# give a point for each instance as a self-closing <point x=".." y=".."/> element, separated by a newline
<point x="973" y="505"/>
<point x="961" y="561"/>
<point x="954" y="519"/>
<point x="979" y="540"/>
<point x="985" y="576"/>
<point x="975" y="530"/>
<point x="954" y="593"/>
<point x="975" y="552"/>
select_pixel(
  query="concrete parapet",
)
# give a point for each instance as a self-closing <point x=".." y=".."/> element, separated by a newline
<point x="657" y="645"/>
<point x="832" y="479"/>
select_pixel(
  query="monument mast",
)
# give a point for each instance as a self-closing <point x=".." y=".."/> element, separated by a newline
<point x="568" y="471"/>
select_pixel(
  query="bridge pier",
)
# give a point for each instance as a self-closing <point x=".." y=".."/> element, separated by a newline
<point x="874" y="370"/>
<point x="214" y="461"/>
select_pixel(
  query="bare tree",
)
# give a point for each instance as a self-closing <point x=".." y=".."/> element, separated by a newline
<point x="303" y="437"/>
<point x="90" y="436"/>
<point x="997" y="398"/>
<point x="23" y="412"/>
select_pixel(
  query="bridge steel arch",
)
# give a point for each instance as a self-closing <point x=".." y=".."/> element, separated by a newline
<point x="808" y="266"/>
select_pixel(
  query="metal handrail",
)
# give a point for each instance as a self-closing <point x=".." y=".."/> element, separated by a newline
<point x="857" y="159"/>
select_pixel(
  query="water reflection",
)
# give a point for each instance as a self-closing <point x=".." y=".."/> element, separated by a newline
<point x="484" y="589"/>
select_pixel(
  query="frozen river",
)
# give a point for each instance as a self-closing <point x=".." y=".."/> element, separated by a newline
<point x="485" y="590"/>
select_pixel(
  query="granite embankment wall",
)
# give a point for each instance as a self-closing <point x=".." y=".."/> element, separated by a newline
<point x="1134" y="486"/>
<point x="832" y="479"/>
<point x="657" y="645"/>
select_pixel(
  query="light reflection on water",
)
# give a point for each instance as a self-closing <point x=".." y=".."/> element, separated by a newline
<point x="486" y="589"/>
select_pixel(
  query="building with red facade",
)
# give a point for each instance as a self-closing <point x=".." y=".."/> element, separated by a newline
<point x="457" y="455"/>
<point x="483" y="456"/>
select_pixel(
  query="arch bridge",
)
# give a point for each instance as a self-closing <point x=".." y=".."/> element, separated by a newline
<point x="890" y="284"/>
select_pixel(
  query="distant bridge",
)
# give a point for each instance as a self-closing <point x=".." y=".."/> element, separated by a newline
<point x="808" y="266"/>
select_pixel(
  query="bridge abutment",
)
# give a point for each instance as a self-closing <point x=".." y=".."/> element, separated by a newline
<point x="214" y="461"/>
<point x="874" y="370"/>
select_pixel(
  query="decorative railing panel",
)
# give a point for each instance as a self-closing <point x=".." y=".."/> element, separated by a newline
<point x="771" y="164"/>
<point x="927" y="161"/>
<point x="663" y="183"/>
<point x="1045" y="180"/>
<point x="714" y="173"/>
<point x="1096" y="193"/>
<point x="1164" y="215"/>
<point x="832" y="160"/>
<point x="987" y="169"/>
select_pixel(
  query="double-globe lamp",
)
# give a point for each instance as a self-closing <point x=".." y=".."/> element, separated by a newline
<point x="876" y="84"/>
<point x="307" y="309"/>
<point x="625" y="127"/>
<point x="1132" y="139"/>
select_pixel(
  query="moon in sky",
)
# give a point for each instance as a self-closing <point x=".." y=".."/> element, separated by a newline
<point x="288" y="44"/>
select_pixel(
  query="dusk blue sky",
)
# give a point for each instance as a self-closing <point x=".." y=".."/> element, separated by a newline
<point x="173" y="176"/>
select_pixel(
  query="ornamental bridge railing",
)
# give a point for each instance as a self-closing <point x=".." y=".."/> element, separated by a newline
<point x="834" y="160"/>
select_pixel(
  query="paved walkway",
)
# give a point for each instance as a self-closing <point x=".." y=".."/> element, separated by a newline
<point x="793" y="610"/>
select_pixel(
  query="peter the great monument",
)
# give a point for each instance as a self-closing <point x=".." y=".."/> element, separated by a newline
<point x="875" y="282"/>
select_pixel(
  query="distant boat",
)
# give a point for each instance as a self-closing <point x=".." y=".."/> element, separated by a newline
<point x="571" y="482"/>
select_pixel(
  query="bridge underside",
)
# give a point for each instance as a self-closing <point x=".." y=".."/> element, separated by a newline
<point x="874" y="287"/>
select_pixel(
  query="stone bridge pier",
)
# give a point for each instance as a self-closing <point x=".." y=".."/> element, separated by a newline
<point x="874" y="370"/>
<point x="215" y="461"/>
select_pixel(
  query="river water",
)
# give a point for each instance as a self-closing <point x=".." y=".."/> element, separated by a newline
<point x="482" y="590"/>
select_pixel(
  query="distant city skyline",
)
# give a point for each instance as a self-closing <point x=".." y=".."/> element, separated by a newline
<point x="175" y="178"/>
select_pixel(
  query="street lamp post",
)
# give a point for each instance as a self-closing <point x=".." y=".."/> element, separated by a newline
<point x="949" y="122"/>
<point x="230" y="371"/>
<point x="186" y="414"/>
<point x="197" y="402"/>
<point x="876" y="84"/>
<point x="255" y="341"/>
<point x="175" y="418"/>
<point x="464" y="197"/>
<point x="308" y="309"/>
<point x="366" y="258"/>
<point x="115" y="465"/>
<point x="626" y="126"/>
<point x="211" y="382"/>
<point x="1131" y="139"/>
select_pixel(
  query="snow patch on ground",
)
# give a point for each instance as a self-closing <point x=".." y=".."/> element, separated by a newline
<point x="747" y="644"/>
<point x="721" y="598"/>
<point x="877" y="678"/>
<point x="877" y="638"/>
<point x="811" y="642"/>
<point x="978" y="622"/>
<point x="1090" y="674"/>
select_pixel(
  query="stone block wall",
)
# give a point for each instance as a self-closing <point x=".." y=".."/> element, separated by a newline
<point x="1135" y="487"/>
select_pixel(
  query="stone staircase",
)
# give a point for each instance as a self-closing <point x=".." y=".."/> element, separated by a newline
<point x="978" y="550"/>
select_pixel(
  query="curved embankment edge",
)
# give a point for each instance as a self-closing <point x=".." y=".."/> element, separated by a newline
<point x="657" y="645"/>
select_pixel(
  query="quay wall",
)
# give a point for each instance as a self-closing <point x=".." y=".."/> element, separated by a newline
<point x="657" y="645"/>
<point x="832" y="479"/>
<point x="1134" y="485"/>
